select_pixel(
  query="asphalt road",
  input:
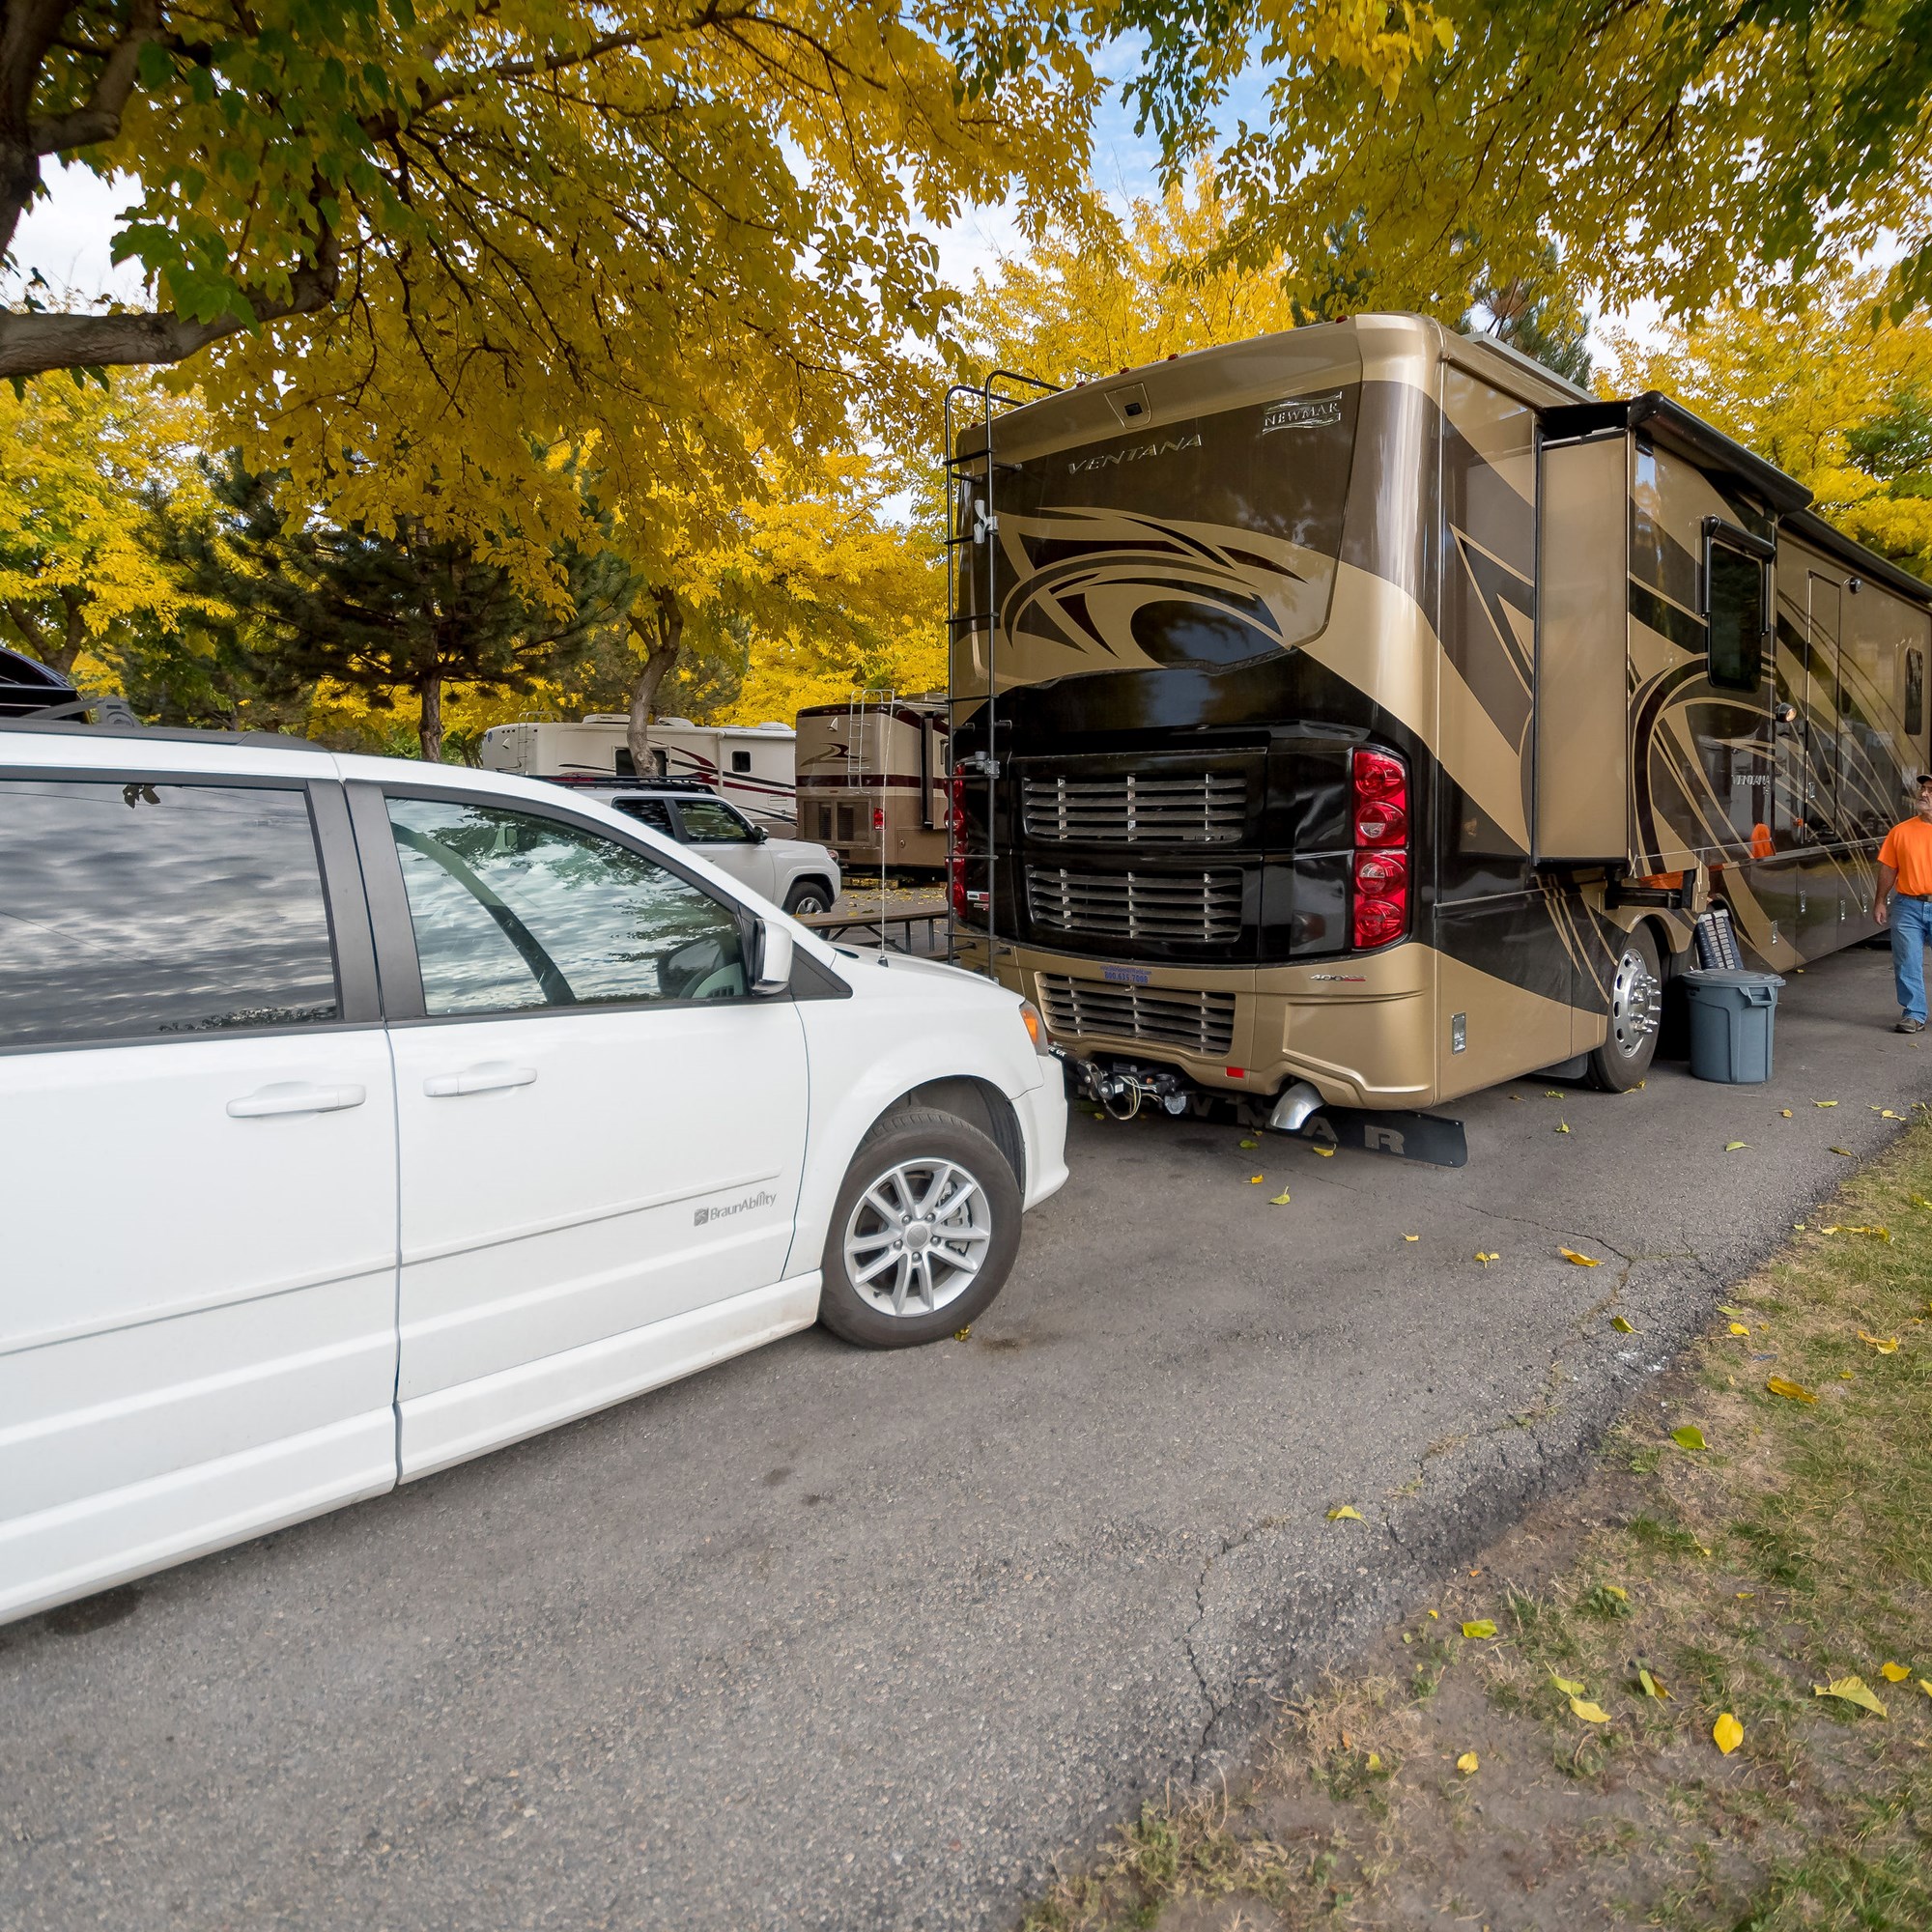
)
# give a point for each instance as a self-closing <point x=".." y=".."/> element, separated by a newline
<point x="824" y="1639"/>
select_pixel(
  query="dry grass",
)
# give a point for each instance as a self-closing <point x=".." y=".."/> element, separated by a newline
<point x="1793" y="1551"/>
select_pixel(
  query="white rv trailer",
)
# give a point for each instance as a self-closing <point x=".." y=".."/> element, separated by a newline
<point x="871" y="779"/>
<point x="750" y="764"/>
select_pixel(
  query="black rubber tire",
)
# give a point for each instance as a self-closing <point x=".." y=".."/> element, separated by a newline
<point x="911" y="1134"/>
<point x="807" y="896"/>
<point x="1613" y="1068"/>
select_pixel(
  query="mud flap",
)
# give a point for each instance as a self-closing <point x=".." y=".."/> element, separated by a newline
<point x="1425" y="1137"/>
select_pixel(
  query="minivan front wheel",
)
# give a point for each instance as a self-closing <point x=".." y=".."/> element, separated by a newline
<point x="923" y="1234"/>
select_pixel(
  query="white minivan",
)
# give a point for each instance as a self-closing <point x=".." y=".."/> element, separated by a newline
<point x="357" y="1117"/>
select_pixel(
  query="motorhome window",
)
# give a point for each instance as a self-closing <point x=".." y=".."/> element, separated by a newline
<point x="1736" y="615"/>
<point x="1914" y="692"/>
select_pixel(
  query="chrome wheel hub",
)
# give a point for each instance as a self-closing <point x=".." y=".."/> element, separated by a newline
<point x="917" y="1237"/>
<point x="1636" y="999"/>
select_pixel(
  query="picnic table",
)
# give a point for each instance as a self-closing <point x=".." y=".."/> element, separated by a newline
<point x="876" y="925"/>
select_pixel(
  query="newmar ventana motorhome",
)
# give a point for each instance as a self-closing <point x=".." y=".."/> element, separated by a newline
<point x="1360" y="716"/>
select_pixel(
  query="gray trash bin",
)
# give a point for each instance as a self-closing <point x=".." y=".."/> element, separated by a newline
<point x="1731" y="1016"/>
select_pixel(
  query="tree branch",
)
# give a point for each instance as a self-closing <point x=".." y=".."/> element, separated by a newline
<point x="32" y="344"/>
<point x="100" y="119"/>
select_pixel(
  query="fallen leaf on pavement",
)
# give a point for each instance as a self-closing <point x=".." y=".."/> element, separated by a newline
<point x="1562" y="1127"/>
<point x="1894" y="1673"/>
<point x="1251" y="1144"/>
<point x="1346" y="1513"/>
<point x="1852" y="1689"/>
<point x="1326" y="1154"/>
<point x="1468" y="1764"/>
<point x="1727" y="1734"/>
<point x="1480" y="1627"/>
<point x="1739" y="1328"/>
<point x="1886" y="1345"/>
<point x="1412" y="1238"/>
<point x="1486" y="1259"/>
<point x="1580" y="1260"/>
<point x="1724" y="1309"/>
<point x="1622" y="1327"/>
<point x="1790" y="1390"/>
<point x="1785" y="1110"/>
<point x="1824" y="1103"/>
<point x="1687" y="1436"/>
<point x="1733" y="1147"/>
<point x="1591" y="1713"/>
<point x="1278" y="1200"/>
<point x="1846" y="1151"/>
<point x="1254" y="1181"/>
<point x="1552" y="1093"/>
<point x="963" y="1334"/>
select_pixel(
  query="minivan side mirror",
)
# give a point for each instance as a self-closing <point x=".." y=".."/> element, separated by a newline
<point x="771" y="974"/>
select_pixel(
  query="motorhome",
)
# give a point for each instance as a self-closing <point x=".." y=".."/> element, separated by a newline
<point x="1359" y="716"/>
<point x="751" y="765"/>
<point x="871" y="780"/>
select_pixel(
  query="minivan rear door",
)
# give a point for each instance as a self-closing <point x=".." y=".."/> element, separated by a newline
<point x="197" y="1140"/>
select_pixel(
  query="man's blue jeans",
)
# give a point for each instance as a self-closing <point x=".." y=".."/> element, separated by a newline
<point x="1910" y="934"/>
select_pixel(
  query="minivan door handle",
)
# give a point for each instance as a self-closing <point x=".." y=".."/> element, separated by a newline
<point x="485" y="1079"/>
<point x="297" y="1096"/>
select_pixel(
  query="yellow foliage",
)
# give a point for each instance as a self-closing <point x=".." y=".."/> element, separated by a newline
<point x="1801" y="375"/>
<point x="76" y="559"/>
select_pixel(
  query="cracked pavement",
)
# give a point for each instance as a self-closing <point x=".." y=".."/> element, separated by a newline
<point x="826" y="1640"/>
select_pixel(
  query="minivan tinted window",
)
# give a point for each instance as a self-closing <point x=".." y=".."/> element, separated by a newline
<point x="156" y="911"/>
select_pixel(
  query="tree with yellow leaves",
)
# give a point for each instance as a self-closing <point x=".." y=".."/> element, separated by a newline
<point x="1666" y="148"/>
<point x="1109" y="292"/>
<point x="82" y="468"/>
<point x="1814" y="376"/>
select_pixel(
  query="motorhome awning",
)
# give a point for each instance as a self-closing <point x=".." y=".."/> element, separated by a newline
<point x="1673" y="424"/>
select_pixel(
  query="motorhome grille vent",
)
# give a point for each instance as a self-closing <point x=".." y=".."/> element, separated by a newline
<point x="1079" y="1009"/>
<point x="1186" y="908"/>
<point x="1140" y="808"/>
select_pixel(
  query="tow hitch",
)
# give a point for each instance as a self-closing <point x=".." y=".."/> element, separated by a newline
<point x="1122" y="1089"/>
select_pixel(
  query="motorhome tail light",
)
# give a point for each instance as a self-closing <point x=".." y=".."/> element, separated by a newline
<point x="1382" y="875"/>
<point x="955" y="843"/>
<point x="1379" y="920"/>
<point x="1377" y="774"/>
<point x="1381" y="847"/>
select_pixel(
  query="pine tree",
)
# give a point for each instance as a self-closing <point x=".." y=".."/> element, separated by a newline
<point x="386" y="612"/>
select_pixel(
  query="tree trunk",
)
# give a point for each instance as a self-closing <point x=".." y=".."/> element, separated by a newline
<point x="429" y="721"/>
<point x="63" y="658"/>
<point x="663" y="634"/>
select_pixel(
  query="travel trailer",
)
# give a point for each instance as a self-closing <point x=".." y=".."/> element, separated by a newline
<point x="751" y="765"/>
<point x="1360" y="716"/>
<point x="876" y="760"/>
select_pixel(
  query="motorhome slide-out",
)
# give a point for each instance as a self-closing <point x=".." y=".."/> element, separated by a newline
<point x="1363" y="711"/>
<point x="871" y="780"/>
<point x="750" y="764"/>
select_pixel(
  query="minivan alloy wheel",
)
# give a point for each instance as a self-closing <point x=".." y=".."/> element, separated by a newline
<point x="916" y="1237"/>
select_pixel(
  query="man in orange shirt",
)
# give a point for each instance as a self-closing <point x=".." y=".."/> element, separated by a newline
<point x="1904" y="896"/>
